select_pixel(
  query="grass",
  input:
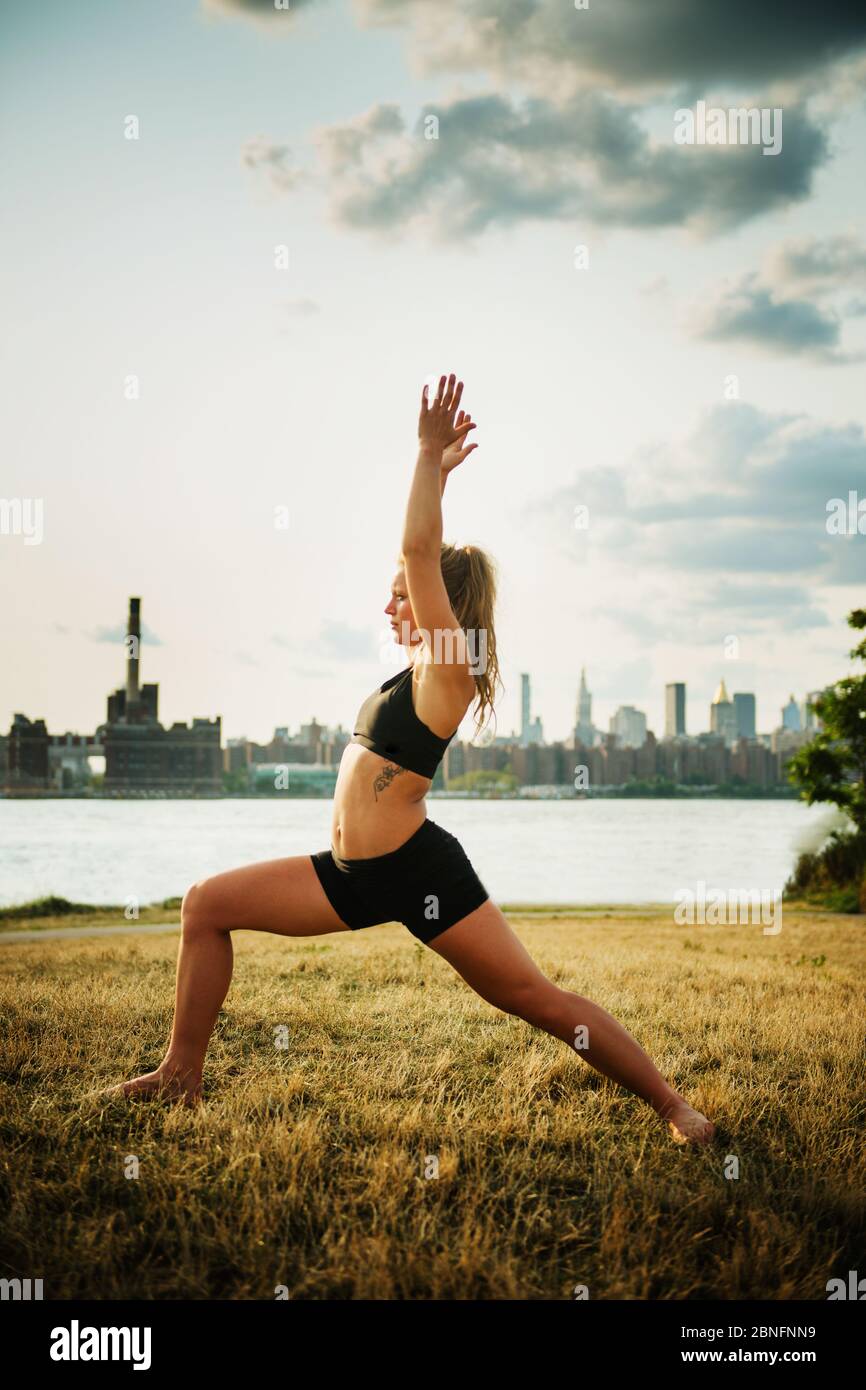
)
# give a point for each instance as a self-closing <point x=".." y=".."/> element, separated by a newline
<point x="411" y="1142"/>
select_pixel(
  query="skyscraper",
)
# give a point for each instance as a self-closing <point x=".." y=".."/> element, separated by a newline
<point x="629" y="725"/>
<point x="530" y="729"/>
<point x="583" y="729"/>
<point x="675" y="709"/>
<point x="791" y="716"/>
<point x="744" y="715"/>
<point x="810" y="719"/>
<point x="722" y="720"/>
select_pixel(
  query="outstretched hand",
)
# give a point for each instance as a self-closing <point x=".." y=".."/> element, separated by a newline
<point x="437" y="429"/>
<point x="455" y="453"/>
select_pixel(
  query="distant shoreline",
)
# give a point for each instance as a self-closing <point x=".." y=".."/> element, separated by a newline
<point x="50" y="918"/>
<point x="607" y="794"/>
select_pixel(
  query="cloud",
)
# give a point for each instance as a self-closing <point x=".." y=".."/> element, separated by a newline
<point x="496" y="162"/>
<point x="342" y="146"/>
<point x="769" y="308"/>
<point x="267" y="13"/>
<point x="749" y="312"/>
<point x="733" y="518"/>
<point x="812" y="265"/>
<point x="259" y="153"/>
<point x="626" y="44"/>
<point x="559" y="134"/>
<point x="337" y="640"/>
<point x="622" y="44"/>
<point x="347" y="643"/>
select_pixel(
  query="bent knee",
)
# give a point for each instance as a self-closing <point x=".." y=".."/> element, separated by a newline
<point x="198" y="910"/>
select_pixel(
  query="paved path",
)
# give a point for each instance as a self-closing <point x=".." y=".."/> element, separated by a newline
<point x="53" y="933"/>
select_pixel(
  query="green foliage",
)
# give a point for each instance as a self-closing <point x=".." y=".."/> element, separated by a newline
<point x="650" y="786"/>
<point x="485" y="781"/>
<point x="832" y="767"/>
<point x="47" y="907"/>
<point x="832" y="877"/>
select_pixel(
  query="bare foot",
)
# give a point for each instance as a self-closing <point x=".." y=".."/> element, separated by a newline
<point x="687" y="1125"/>
<point x="165" y="1085"/>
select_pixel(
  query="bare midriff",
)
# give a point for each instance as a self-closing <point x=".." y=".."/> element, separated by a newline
<point x="377" y="804"/>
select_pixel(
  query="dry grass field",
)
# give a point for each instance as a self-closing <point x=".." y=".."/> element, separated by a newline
<point x="373" y="1129"/>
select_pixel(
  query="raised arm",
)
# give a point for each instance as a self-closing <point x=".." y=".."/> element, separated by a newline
<point x="440" y="449"/>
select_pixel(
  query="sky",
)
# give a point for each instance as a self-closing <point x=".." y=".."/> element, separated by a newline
<point x="236" y="242"/>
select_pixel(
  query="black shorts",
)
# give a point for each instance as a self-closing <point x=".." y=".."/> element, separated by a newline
<point x="428" y="884"/>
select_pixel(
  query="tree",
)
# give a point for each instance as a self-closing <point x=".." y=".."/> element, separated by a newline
<point x="832" y="767"/>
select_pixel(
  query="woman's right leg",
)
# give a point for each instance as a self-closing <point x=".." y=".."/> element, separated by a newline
<point x="279" y="895"/>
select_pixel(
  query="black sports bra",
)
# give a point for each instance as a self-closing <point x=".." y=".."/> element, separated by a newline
<point x="388" y="725"/>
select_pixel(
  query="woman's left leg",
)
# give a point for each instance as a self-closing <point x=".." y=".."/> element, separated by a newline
<point x="492" y="959"/>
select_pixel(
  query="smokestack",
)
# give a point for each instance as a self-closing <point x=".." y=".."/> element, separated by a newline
<point x="133" y="643"/>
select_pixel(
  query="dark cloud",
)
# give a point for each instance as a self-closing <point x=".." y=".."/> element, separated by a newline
<point x="749" y="313"/>
<point x="629" y="43"/>
<point x="260" y="11"/>
<point x="496" y="163"/>
<point x="575" y="147"/>
<point x="768" y="309"/>
<point x="623" y="43"/>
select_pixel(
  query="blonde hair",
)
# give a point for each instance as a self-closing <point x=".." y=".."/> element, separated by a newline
<point x="471" y="581"/>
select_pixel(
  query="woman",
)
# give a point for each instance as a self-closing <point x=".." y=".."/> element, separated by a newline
<point x="388" y="861"/>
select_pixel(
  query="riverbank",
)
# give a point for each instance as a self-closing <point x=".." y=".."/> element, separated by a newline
<point x="631" y="791"/>
<point x="57" y="917"/>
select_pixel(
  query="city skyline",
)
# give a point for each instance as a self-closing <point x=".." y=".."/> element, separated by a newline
<point x="624" y="719"/>
<point x="133" y="752"/>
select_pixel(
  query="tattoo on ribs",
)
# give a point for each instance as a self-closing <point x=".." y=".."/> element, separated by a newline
<point x="386" y="777"/>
